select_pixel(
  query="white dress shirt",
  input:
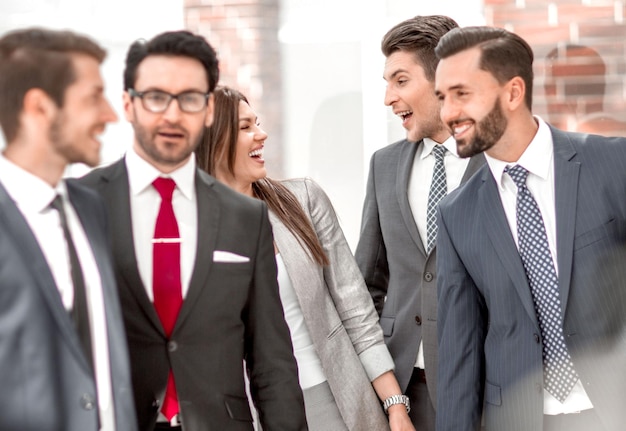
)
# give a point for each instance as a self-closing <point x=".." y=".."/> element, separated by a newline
<point x="144" y="208"/>
<point x="538" y="159"/>
<point x="419" y="188"/>
<point x="33" y="197"/>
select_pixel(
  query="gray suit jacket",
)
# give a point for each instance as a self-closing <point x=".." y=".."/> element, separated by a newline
<point x="232" y="312"/>
<point x="397" y="270"/>
<point x="490" y="344"/>
<point x="46" y="379"/>
<point x="337" y="309"/>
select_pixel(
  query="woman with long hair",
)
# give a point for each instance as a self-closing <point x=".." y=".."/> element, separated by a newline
<point x="343" y="362"/>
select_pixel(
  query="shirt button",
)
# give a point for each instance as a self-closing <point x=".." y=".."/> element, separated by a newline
<point x="537" y="338"/>
<point x="428" y="276"/>
<point x="418" y="320"/>
<point x="87" y="402"/>
<point x="172" y="346"/>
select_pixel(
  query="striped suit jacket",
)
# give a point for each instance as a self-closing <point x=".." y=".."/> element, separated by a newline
<point x="489" y="339"/>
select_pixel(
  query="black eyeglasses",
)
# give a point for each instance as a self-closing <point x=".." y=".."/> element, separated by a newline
<point x="157" y="101"/>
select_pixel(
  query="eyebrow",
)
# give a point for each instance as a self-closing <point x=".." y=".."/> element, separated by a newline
<point x="395" y="73"/>
<point x="248" y="119"/>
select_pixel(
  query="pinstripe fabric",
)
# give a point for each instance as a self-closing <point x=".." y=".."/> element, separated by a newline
<point x="490" y="348"/>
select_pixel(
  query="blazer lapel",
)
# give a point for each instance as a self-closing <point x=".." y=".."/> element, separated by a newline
<point x="117" y="195"/>
<point x="566" y="175"/>
<point x="405" y="164"/>
<point x="208" y="226"/>
<point x="27" y="246"/>
<point x="499" y="232"/>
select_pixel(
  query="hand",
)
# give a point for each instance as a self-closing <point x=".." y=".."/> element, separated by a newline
<point x="399" y="419"/>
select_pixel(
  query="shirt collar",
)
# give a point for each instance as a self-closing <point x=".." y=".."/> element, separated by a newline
<point x="536" y="159"/>
<point x="428" y="145"/>
<point x="141" y="174"/>
<point x="28" y="191"/>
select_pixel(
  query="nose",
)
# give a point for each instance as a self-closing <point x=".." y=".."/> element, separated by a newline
<point x="260" y="135"/>
<point x="390" y="96"/>
<point x="173" y="111"/>
<point x="448" y="111"/>
<point x="109" y="115"/>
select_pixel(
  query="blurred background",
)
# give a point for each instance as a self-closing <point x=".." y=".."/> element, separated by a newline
<point x="312" y="69"/>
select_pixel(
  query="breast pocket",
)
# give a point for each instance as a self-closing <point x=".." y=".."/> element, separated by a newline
<point x="598" y="233"/>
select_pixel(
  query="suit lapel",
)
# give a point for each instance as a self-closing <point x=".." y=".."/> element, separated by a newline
<point x="117" y="194"/>
<point x="405" y="165"/>
<point x="499" y="232"/>
<point x="566" y="175"/>
<point x="27" y="246"/>
<point x="208" y="226"/>
<point x="474" y="164"/>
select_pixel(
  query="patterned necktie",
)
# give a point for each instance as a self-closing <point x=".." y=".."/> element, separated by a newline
<point x="166" y="281"/>
<point x="558" y="369"/>
<point x="79" y="313"/>
<point x="438" y="189"/>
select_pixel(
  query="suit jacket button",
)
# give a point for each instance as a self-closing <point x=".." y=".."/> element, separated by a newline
<point x="537" y="338"/>
<point x="418" y="320"/>
<point x="87" y="402"/>
<point x="172" y="346"/>
<point x="428" y="276"/>
<point x="155" y="403"/>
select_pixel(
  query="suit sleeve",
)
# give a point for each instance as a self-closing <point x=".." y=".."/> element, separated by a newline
<point x="269" y="354"/>
<point x="346" y="287"/>
<point x="371" y="254"/>
<point x="461" y="330"/>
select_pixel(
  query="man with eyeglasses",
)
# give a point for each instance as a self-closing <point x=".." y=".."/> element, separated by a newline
<point x="194" y="260"/>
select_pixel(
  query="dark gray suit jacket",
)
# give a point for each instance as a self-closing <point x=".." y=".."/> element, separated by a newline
<point x="399" y="274"/>
<point x="490" y="344"/>
<point x="232" y="312"/>
<point x="46" y="382"/>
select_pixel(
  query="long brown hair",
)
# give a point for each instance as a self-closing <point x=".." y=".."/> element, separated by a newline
<point x="221" y="138"/>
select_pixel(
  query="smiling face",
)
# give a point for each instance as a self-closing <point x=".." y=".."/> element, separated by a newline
<point x="75" y="128"/>
<point x="167" y="139"/>
<point x="412" y="97"/>
<point x="249" y="164"/>
<point x="471" y="103"/>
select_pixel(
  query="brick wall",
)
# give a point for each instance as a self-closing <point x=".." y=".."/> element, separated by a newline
<point x="245" y="35"/>
<point x="582" y="86"/>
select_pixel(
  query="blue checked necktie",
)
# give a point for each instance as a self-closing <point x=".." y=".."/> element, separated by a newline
<point x="558" y="370"/>
<point x="438" y="189"/>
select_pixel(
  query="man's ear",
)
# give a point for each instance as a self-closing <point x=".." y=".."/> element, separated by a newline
<point x="127" y="103"/>
<point x="39" y="106"/>
<point x="208" y="119"/>
<point x="516" y="93"/>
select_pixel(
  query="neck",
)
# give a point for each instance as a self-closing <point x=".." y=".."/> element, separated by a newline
<point x="515" y="140"/>
<point x="43" y="164"/>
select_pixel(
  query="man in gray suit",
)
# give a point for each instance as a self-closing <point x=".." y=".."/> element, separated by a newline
<point x="406" y="179"/>
<point x="63" y="356"/>
<point x="531" y="273"/>
<point x="200" y="294"/>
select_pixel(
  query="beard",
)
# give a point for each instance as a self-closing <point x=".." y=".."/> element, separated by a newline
<point x="167" y="154"/>
<point x="71" y="149"/>
<point x="487" y="132"/>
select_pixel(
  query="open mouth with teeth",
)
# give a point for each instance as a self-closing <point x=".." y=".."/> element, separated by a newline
<point x="458" y="129"/>
<point x="405" y="116"/>
<point x="257" y="154"/>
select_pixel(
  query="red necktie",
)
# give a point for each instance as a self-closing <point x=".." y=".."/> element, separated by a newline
<point x="166" y="282"/>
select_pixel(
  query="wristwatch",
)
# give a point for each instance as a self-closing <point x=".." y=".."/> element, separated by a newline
<point x="397" y="399"/>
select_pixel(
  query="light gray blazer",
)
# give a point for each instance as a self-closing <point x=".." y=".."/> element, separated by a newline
<point x="338" y="310"/>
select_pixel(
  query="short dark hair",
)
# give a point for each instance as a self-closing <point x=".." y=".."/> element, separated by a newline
<point x="38" y="58"/>
<point x="173" y="43"/>
<point x="503" y="54"/>
<point x="420" y="36"/>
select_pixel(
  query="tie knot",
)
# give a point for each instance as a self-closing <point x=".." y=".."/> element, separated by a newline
<point x="439" y="151"/>
<point x="165" y="187"/>
<point x="57" y="203"/>
<point x="518" y="174"/>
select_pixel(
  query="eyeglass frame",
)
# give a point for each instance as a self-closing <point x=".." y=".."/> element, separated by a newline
<point x="140" y="94"/>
